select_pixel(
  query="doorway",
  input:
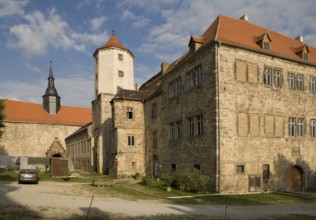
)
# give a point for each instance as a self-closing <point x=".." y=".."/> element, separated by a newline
<point x="294" y="179"/>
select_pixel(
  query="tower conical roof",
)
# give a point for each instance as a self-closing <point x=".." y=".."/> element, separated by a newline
<point x="113" y="42"/>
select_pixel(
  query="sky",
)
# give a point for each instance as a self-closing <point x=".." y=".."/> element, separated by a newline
<point x="67" y="32"/>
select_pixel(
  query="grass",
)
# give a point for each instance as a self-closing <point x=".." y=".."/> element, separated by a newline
<point x="157" y="190"/>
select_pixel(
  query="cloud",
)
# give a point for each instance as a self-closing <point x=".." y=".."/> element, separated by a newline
<point x="137" y="21"/>
<point x="9" y="8"/>
<point x="96" y="23"/>
<point x="168" y="39"/>
<point x="43" y="32"/>
<point x="74" y="91"/>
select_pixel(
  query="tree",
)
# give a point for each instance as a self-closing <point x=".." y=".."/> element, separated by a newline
<point x="2" y="116"/>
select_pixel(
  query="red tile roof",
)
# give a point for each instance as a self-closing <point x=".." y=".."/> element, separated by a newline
<point x="34" y="113"/>
<point x="113" y="42"/>
<point x="244" y="34"/>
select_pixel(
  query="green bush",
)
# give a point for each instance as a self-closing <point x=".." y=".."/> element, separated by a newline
<point x="191" y="180"/>
<point x="147" y="180"/>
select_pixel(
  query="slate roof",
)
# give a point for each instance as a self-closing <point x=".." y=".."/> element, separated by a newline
<point x="16" y="111"/>
<point x="130" y="95"/>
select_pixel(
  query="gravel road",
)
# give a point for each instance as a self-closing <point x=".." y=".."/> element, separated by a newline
<point x="64" y="200"/>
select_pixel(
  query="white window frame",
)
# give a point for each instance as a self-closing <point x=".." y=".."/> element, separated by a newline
<point x="313" y="128"/>
<point x="300" y="127"/>
<point x="300" y="82"/>
<point x="291" y="81"/>
<point x="277" y="79"/>
<point x="292" y="127"/>
<point x="267" y="76"/>
<point x="312" y="84"/>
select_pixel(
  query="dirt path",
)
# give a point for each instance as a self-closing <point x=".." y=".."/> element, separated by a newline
<point x="64" y="200"/>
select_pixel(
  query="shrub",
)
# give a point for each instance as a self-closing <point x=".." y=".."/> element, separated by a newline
<point x="147" y="180"/>
<point x="191" y="180"/>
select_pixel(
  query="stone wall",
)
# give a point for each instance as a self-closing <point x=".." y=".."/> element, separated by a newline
<point x="31" y="139"/>
<point x="183" y="152"/>
<point x="254" y="122"/>
<point x="127" y="151"/>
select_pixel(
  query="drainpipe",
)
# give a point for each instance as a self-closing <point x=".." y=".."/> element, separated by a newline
<point x="217" y="67"/>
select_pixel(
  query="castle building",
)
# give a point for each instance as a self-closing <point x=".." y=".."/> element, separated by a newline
<point x="35" y="130"/>
<point x="238" y="105"/>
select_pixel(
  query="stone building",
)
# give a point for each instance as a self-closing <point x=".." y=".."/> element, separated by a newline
<point x="238" y="106"/>
<point x="35" y="130"/>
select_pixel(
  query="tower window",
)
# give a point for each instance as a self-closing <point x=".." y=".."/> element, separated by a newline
<point x="131" y="140"/>
<point x="120" y="56"/>
<point x="120" y="73"/>
<point x="129" y="113"/>
<point x="240" y="169"/>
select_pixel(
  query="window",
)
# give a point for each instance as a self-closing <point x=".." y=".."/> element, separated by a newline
<point x="129" y="113"/>
<point x="266" y="45"/>
<point x="195" y="125"/>
<point x="197" y="166"/>
<point x="313" y="128"/>
<point x="175" y="88"/>
<point x="292" y="127"/>
<point x="195" y="77"/>
<point x="312" y="87"/>
<point x="173" y="168"/>
<point x="240" y="169"/>
<point x="300" y="127"/>
<point x="133" y="164"/>
<point x="267" y="76"/>
<point x="175" y="130"/>
<point x="120" y="73"/>
<point x="154" y="111"/>
<point x="277" y="79"/>
<point x="305" y="56"/>
<point x="155" y="139"/>
<point x="120" y="56"/>
<point x="266" y="171"/>
<point x="131" y="140"/>
<point x="300" y="82"/>
<point x="190" y="122"/>
<point x="199" y="124"/>
<point x="290" y="81"/>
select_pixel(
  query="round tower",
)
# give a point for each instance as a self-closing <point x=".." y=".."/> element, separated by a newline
<point x="114" y="67"/>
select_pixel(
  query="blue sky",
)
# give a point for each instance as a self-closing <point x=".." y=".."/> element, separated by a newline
<point x="33" y="32"/>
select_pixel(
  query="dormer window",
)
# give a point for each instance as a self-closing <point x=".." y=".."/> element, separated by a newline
<point x="305" y="56"/>
<point x="195" y="43"/>
<point x="264" y="41"/>
<point x="266" y="45"/>
<point x="302" y="52"/>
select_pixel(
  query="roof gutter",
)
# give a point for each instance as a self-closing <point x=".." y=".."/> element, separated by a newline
<point x="217" y="67"/>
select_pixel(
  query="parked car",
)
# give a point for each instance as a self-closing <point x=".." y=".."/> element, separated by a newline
<point x="28" y="176"/>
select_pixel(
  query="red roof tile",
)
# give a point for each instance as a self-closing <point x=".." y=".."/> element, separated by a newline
<point x="113" y="42"/>
<point x="34" y="113"/>
<point x="244" y="34"/>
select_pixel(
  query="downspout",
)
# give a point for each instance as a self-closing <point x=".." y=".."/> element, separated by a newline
<point x="217" y="68"/>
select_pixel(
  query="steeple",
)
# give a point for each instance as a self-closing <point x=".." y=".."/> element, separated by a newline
<point x="51" y="99"/>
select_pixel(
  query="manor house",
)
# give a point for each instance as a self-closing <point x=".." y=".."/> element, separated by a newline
<point x="239" y="106"/>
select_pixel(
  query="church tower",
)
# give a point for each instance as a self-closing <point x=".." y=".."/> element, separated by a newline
<point x="113" y="70"/>
<point x="51" y="99"/>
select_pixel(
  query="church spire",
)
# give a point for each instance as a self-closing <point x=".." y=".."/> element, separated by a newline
<point x="51" y="99"/>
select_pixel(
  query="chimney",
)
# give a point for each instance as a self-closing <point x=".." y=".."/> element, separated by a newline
<point x="137" y="86"/>
<point x="244" y="18"/>
<point x="300" y="38"/>
<point x="164" y="67"/>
